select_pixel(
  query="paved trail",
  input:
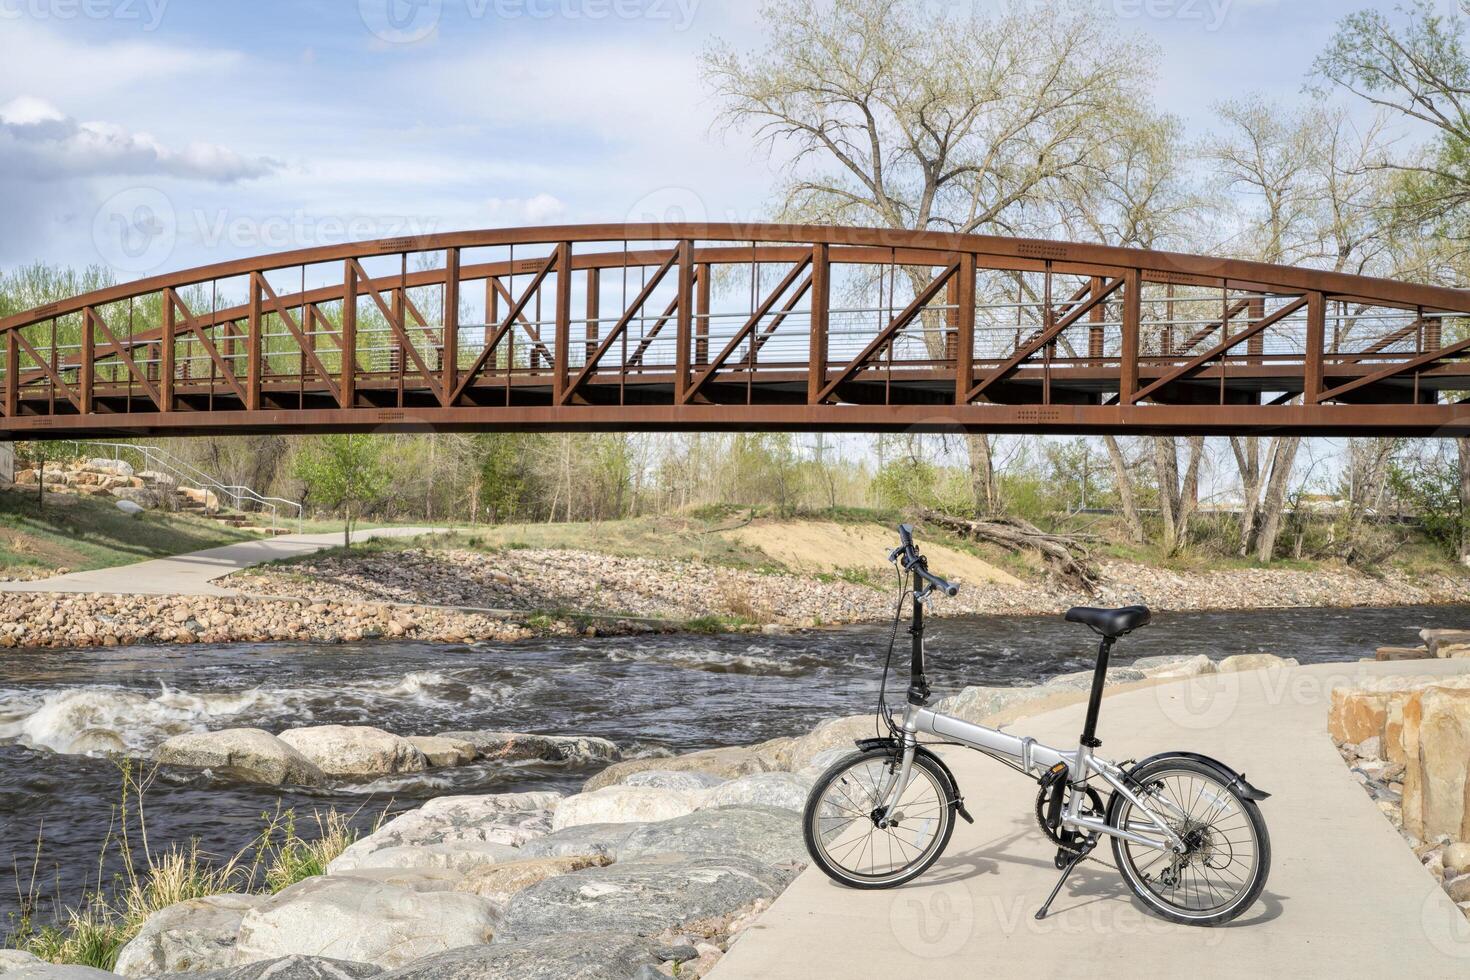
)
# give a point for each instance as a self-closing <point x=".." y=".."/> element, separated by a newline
<point x="195" y="573"/>
<point x="1346" y="896"/>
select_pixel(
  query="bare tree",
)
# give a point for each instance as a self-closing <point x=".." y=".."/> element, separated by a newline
<point x="896" y="114"/>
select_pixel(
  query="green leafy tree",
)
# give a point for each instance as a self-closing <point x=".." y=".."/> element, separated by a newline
<point x="1430" y="487"/>
<point x="346" y="472"/>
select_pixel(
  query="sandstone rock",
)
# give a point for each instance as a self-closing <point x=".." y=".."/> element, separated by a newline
<point x="189" y="937"/>
<point x="1437" y="745"/>
<point x="1454" y="651"/>
<point x="250" y="754"/>
<point x="1458" y="888"/>
<point x="625" y="804"/>
<point x="362" y="921"/>
<point x="1254" y="661"/>
<point x="146" y="499"/>
<point x="109" y="467"/>
<point x="1456" y="858"/>
<point x="784" y="790"/>
<point x="503" y="819"/>
<point x="1433" y="639"/>
<point x="519" y="746"/>
<point x="443" y="751"/>
<point x="130" y="508"/>
<point x="1401" y="653"/>
<point x="1354" y="715"/>
<point x="568" y="956"/>
<point x="594" y="839"/>
<point x="642" y="897"/>
<point x="726" y="763"/>
<point x="767" y="835"/>
<point x="1179" y="665"/>
<point x="356" y="751"/>
<point x="497" y="883"/>
<point x="670" y="779"/>
<point x="295" y="968"/>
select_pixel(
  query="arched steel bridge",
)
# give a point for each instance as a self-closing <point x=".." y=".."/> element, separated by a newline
<point x="728" y="327"/>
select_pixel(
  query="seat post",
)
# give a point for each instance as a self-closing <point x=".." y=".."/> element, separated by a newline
<point x="1094" y="700"/>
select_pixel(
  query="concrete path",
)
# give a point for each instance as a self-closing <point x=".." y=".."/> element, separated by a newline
<point x="195" y="573"/>
<point x="1345" y="897"/>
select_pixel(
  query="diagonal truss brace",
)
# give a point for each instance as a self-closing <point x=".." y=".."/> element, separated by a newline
<point x="1199" y="361"/>
<point x="619" y="327"/>
<point x="886" y="335"/>
<point x="193" y="323"/>
<point x="760" y="314"/>
<point x="505" y="325"/>
<point x="110" y="339"/>
<point x="290" y="320"/>
<point x="395" y="323"/>
<point x="1045" y="337"/>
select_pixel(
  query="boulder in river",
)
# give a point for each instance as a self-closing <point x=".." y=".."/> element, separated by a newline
<point x="295" y="968"/>
<point x="362" y="921"/>
<point x="356" y="751"/>
<point x="595" y="839"/>
<point x="1254" y="661"/>
<point x="784" y="790"/>
<point x="505" y="820"/>
<point x="642" y="897"/>
<point x="458" y="857"/>
<point x="978" y="704"/>
<point x="671" y="779"/>
<point x="250" y="754"/>
<point x="441" y="751"/>
<point x="798" y="752"/>
<point x="188" y="937"/>
<point x="1175" y="665"/>
<point x="15" y="959"/>
<point x="497" y="883"/>
<point x="769" y="835"/>
<point x="727" y="763"/>
<point x="565" y="956"/>
<point x="523" y="747"/>
<point x="625" y="804"/>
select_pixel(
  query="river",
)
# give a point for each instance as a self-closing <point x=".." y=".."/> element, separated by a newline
<point x="656" y="694"/>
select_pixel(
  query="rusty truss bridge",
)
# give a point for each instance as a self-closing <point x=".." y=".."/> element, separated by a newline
<point x="726" y="327"/>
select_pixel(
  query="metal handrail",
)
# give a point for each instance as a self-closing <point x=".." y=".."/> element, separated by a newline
<point x="187" y="474"/>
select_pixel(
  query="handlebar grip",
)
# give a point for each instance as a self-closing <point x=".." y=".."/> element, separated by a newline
<point x="947" y="588"/>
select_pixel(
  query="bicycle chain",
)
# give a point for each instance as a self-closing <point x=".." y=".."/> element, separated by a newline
<point x="1055" y="838"/>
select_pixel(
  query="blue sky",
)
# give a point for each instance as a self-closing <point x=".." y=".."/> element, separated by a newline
<point x="276" y="123"/>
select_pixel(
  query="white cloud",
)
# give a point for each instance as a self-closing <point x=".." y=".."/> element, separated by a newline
<point x="539" y="209"/>
<point x="39" y="142"/>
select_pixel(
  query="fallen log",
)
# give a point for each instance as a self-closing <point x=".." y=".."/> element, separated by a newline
<point x="1067" y="559"/>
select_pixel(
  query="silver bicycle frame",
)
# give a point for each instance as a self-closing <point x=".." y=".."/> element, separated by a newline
<point x="1033" y="758"/>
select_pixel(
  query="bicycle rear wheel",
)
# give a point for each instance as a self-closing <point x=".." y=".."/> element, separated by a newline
<point x="857" y="845"/>
<point x="1224" y="870"/>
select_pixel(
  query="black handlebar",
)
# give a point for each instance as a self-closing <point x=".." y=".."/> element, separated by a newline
<point x="918" y="564"/>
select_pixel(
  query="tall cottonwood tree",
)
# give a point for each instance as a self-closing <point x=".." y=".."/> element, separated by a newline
<point x="900" y="114"/>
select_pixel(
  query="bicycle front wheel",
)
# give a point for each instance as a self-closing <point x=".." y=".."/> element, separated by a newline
<point x="857" y="844"/>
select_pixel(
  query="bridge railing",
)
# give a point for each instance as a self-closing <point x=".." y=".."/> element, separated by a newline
<point x="667" y="322"/>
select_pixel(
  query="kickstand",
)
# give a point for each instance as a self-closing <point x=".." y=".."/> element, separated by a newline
<point x="1072" y="862"/>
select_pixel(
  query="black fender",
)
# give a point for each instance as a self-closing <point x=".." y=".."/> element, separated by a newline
<point x="1235" y="780"/>
<point x="895" y="747"/>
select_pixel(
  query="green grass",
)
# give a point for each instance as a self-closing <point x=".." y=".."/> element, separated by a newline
<point x="93" y="932"/>
<point x="80" y="533"/>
